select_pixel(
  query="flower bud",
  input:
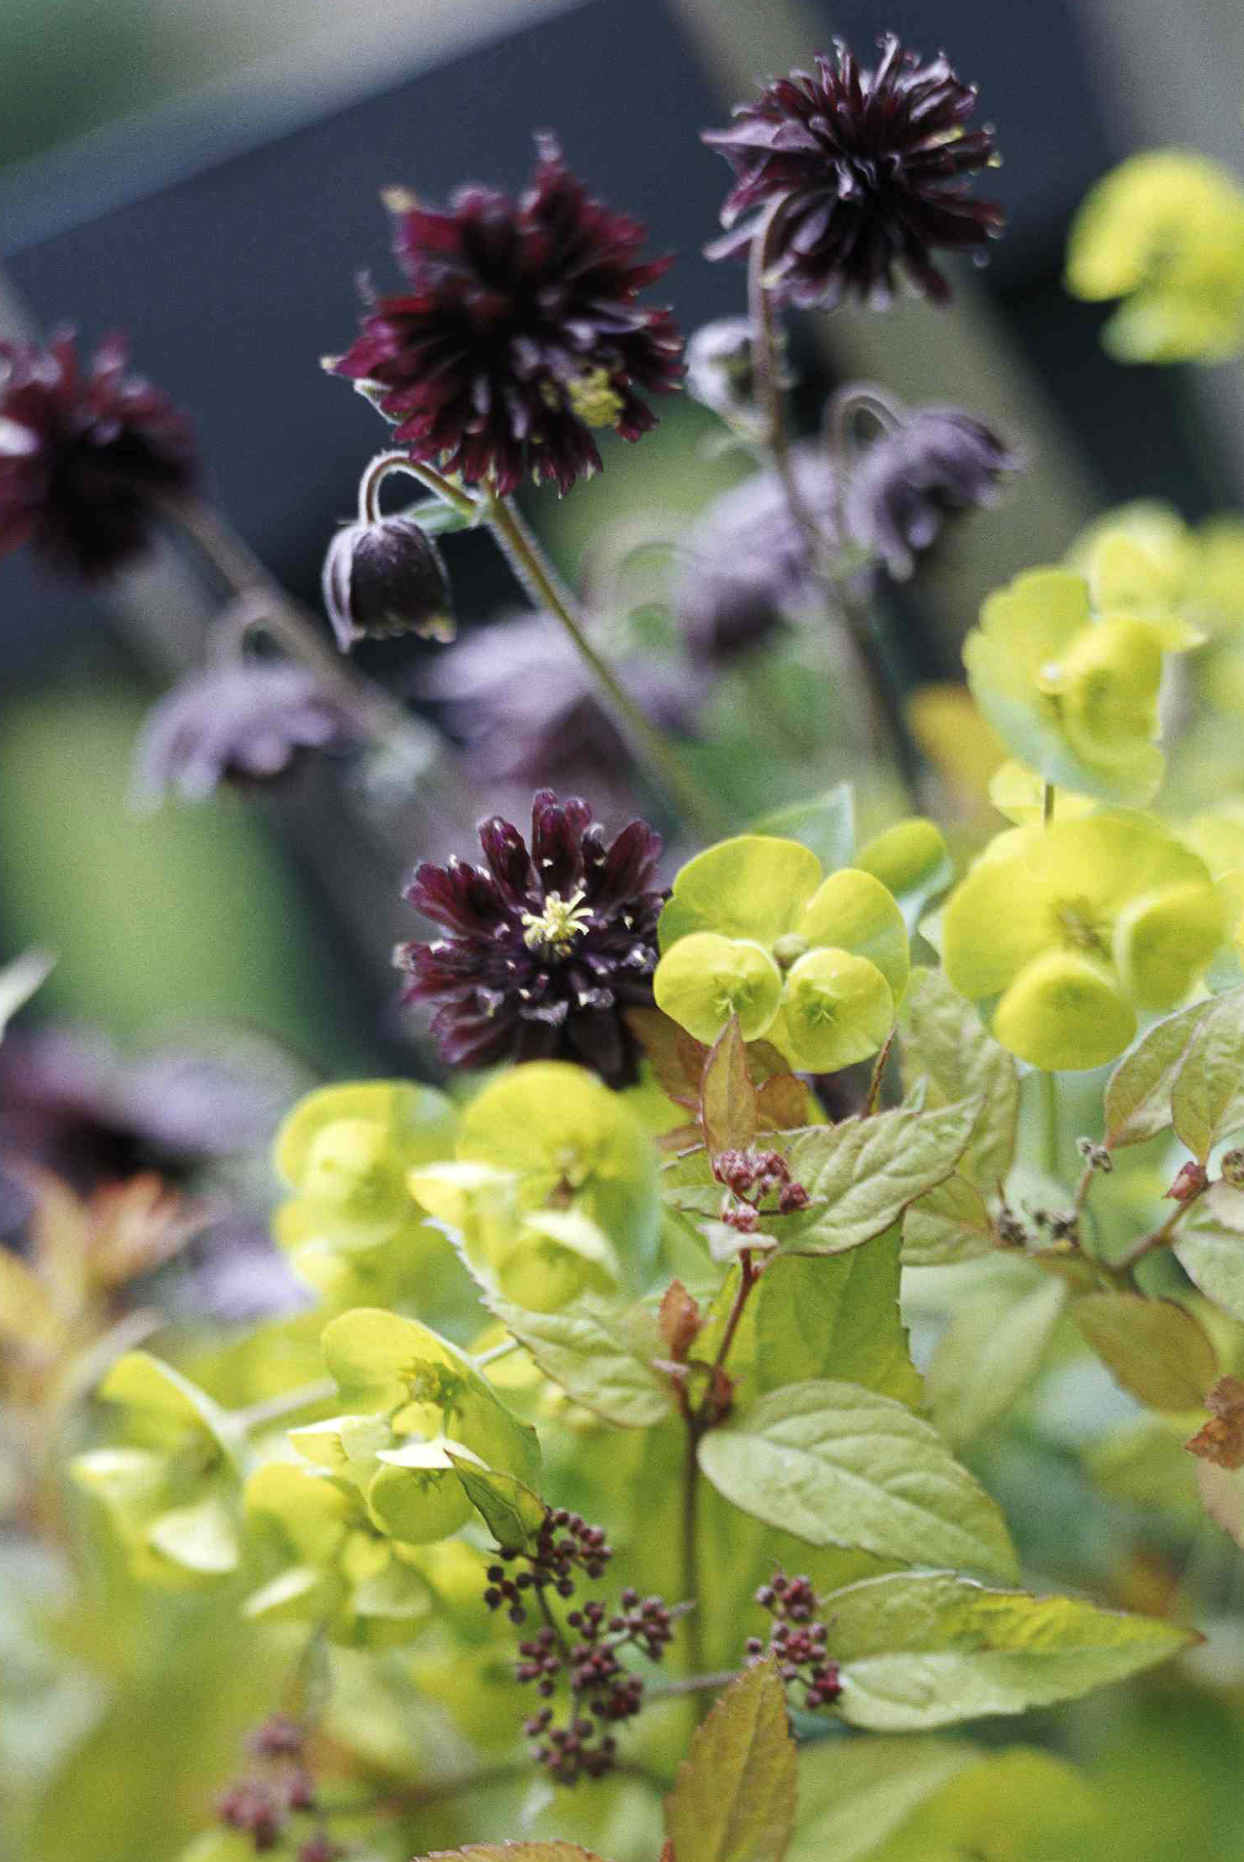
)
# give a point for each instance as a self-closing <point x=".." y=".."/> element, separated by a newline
<point x="1189" y="1184"/>
<point x="1233" y="1168"/>
<point x="719" y="369"/>
<point x="385" y="579"/>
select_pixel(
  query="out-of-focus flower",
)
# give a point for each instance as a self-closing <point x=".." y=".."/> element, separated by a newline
<point x="519" y="333"/>
<point x="936" y="462"/>
<point x="84" y="454"/>
<point x="234" y="1274"/>
<point x="548" y="946"/>
<point x="874" y="168"/>
<point x="71" y="1102"/>
<point x="1165" y="233"/>
<point x="241" y="723"/>
<point x="384" y="579"/>
<point x="747" y="571"/>
<point x="517" y="692"/>
<point x="720" y="373"/>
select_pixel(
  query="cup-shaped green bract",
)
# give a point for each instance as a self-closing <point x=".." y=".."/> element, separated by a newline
<point x="814" y="965"/>
<point x="1074" y="696"/>
<point x="1164" y="232"/>
<point x="1141" y="559"/>
<point x="1065" y="932"/>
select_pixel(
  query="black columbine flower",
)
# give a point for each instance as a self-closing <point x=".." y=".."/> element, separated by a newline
<point x="873" y="167"/>
<point x="547" y="946"/>
<point x="520" y="331"/>
<point x="83" y="455"/>
<point x="936" y="462"/>
<point x="242" y="723"/>
<point x="386" y="578"/>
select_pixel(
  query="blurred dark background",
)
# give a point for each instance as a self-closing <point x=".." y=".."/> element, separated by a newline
<point x="206" y="178"/>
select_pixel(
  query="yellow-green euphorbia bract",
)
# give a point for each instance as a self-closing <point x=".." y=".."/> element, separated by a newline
<point x="1068" y="930"/>
<point x="816" y="965"/>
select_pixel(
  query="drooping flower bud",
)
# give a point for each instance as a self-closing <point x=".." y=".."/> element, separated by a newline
<point x="719" y="370"/>
<point x="385" y="579"/>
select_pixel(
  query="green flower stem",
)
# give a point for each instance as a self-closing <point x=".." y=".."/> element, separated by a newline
<point x="1159" y="1238"/>
<point x="385" y="463"/>
<point x="286" y="1403"/>
<point x="766" y="365"/>
<point x="1047" y="804"/>
<point x="545" y="589"/>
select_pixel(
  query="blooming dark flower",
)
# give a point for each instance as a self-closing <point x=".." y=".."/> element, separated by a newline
<point x="547" y="946"/>
<point x="384" y="579"/>
<point x="83" y="454"/>
<point x="519" y="333"/>
<point x="873" y="167"/>
<point x="937" y="461"/>
<point x="748" y="572"/>
<point x="240" y="723"/>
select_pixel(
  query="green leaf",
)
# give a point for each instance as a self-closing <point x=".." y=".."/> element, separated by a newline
<point x="862" y="1174"/>
<point x="728" y="1112"/>
<point x="147" y="1384"/>
<point x="199" y="1538"/>
<point x="1209" y="1246"/>
<point x="1154" y="1348"/>
<point x="923" y="1650"/>
<point x="437" y="518"/>
<point x="511" y="1511"/>
<point x="826" y="825"/>
<point x="1207" y="1099"/>
<point x="1022" y="1805"/>
<point x="839" y="1465"/>
<point x="947" y="1043"/>
<point x="949" y="1223"/>
<point x="834" y="1318"/>
<point x="1138" y="1096"/>
<point x="989" y="1351"/>
<point x="599" y="1354"/>
<point x="734" y="1799"/>
<point x="854" y="1793"/>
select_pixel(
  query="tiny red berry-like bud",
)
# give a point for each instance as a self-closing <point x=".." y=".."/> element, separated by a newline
<point x="384" y="579"/>
<point x="1192" y="1179"/>
<point x="1233" y="1169"/>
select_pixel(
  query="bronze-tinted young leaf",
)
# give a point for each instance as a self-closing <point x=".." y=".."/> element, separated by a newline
<point x="1154" y="1348"/>
<point x="734" y="1799"/>
<point x="1138" y="1096"/>
<point x="728" y="1116"/>
<point x="676" y="1057"/>
<point x="678" y="1318"/>
<point x="1207" y="1098"/>
<point x="1221" y="1439"/>
<point x="861" y="1174"/>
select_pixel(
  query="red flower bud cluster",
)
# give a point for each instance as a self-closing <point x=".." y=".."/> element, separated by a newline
<point x="261" y="1805"/>
<point x="797" y="1642"/>
<point x="552" y="1561"/>
<point x="749" y="1178"/>
<point x="603" y="1692"/>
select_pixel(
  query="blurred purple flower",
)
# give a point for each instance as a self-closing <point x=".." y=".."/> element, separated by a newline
<point x="547" y="946"/>
<point x="242" y="723"/>
<point x="936" y="462"/>
<point x="233" y="1273"/>
<point x="873" y="167"/>
<point x="84" y="454"/>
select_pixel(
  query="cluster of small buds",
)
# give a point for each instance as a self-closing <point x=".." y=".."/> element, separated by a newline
<point x="1096" y="1156"/>
<point x="1232" y="1168"/>
<point x="751" y="1176"/>
<point x="797" y="1642"/>
<point x="603" y="1692"/>
<point x="1010" y="1229"/>
<point x="1062" y="1225"/>
<point x="564" y="1543"/>
<point x="261" y="1805"/>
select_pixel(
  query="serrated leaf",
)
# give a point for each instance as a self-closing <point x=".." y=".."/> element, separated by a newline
<point x="992" y="1347"/>
<point x="825" y="825"/>
<point x="1207" y="1099"/>
<point x="947" y="1043"/>
<point x="834" y="1318"/>
<point x="838" y="1465"/>
<point x="948" y="1223"/>
<point x="728" y="1115"/>
<point x="510" y="1510"/>
<point x="514" y="1852"/>
<point x="734" y="1800"/>
<point x="862" y="1174"/>
<point x="1209" y="1246"/>
<point x="916" y="1651"/>
<point x="855" y="1793"/>
<point x="1154" y="1348"/>
<point x="599" y="1354"/>
<point x="1138" y="1096"/>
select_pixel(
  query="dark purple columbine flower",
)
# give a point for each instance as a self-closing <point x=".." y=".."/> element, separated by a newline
<point x="242" y="723"/>
<point x="547" y="946"/>
<point x="519" y="333"/>
<point x="384" y="579"/>
<point x="873" y="167"/>
<point x="936" y="462"/>
<point x="84" y="453"/>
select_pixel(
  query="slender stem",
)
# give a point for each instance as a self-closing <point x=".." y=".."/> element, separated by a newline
<point x="491" y="1356"/>
<point x="874" y="1085"/>
<point x="749" y="1274"/>
<point x="858" y="397"/>
<point x="285" y="1403"/>
<point x="691" y="1546"/>
<point x="1047" y="804"/>
<point x="543" y="585"/>
<point x="1049" y="1107"/>
<point x="385" y="463"/>
<point x="1160" y="1237"/>
<point x="691" y="1684"/>
<point x="396" y="1803"/>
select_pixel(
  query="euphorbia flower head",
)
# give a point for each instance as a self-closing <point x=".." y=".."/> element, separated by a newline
<point x="519" y="333"/>
<point x="1065" y="931"/>
<point x="873" y="167"/>
<point x="84" y="453"/>
<point x="548" y="945"/>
